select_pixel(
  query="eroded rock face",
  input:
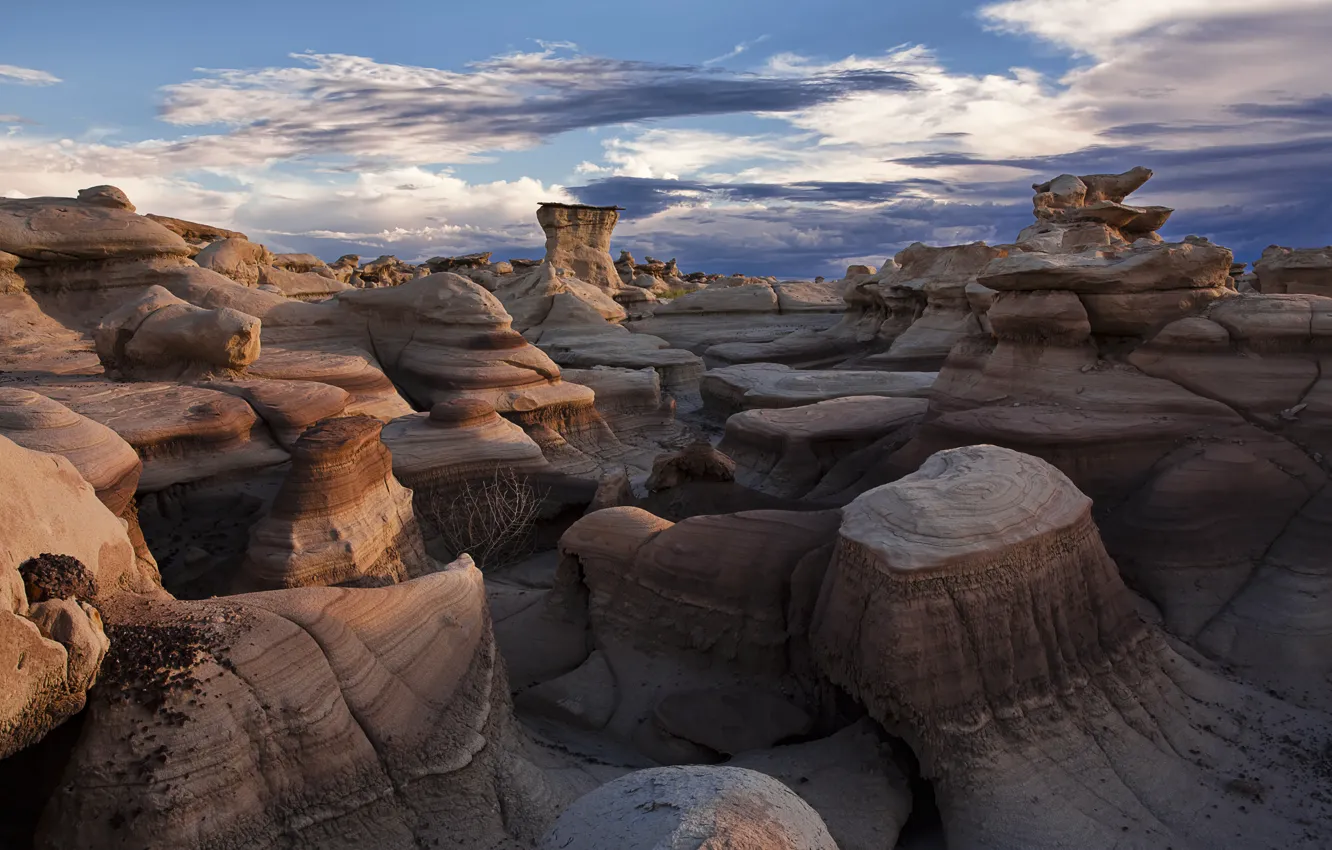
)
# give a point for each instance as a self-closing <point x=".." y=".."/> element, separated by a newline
<point x="985" y="564"/>
<point x="1300" y="271"/>
<point x="61" y="553"/>
<point x="578" y="238"/>
<point x="752" y="386"/>
<point x="340" y="518"/>
<point x="105" y="461"/>
<point x="369" y="706"/>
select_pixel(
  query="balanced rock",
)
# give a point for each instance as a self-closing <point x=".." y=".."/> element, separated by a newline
<point x="161" y="336"/>
<point x="578" y="237"/>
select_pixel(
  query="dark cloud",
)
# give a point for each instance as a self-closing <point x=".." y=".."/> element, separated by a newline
<point x="1271" y="193"/>
<point x="354" y="106"/>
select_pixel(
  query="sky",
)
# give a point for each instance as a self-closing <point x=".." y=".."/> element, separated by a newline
<point x="756" y="136"/>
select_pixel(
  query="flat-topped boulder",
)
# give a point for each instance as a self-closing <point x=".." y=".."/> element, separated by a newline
<point x="43" y="231"/>
<point x="770" y="385"/>
<point x="787" y="451"/>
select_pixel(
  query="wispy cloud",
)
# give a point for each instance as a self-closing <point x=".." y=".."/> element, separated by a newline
<point x="742" y="47"/>
<point x="26" y="76"/>
<point x="333" y="104"/>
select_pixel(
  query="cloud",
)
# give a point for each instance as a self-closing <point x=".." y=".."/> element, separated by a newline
<point x="742" y="47"/>
<point x="26" y="76"/>
<point x="338" y="105"/>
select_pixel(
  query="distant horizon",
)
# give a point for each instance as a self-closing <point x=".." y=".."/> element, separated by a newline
<point x="763" y="138"/>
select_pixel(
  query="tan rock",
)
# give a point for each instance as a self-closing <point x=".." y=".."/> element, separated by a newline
<point x="1302" y="271"/>
<point x="768" y="385"/>
<point x="160" y="336"/>
<point x="63" y="230"/>
<point x="238" y="259"/>
<point x="105" y="461"/>
<point x="341" y="518"/>
<point x="986" y="563"/>
<point x="578" y="238"/>
<point x="1145" y="268"/>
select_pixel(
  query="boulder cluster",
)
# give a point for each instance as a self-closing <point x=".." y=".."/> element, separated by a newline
<point x="989" y="548"/>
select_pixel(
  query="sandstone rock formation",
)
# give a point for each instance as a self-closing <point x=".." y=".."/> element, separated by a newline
<point x="161" y="336"/>
<point x="1131" y="737"/>
<point x="1300" y="271"/>
<point x="578" y="238"/>
<point x="341" y="518"/>
<point x="788" y="451"/>
<point x="771" y="385"/>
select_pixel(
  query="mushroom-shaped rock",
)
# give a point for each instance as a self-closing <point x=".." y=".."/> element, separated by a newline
<point x="578" y="237"/>
<point x="690" y="808"/>
<point x="972" y="608"/>
<point x="160" y="336"/>
<point x="459" y="440"/>
<point x="340" y="517"/>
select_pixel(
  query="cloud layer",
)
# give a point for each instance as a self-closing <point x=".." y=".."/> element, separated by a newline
<point x="842" y="159"/>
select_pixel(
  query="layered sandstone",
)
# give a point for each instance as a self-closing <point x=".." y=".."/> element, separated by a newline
<point x="578" y="238"/>
<point x="341" y="518"/>
<point x="986" y="564"/>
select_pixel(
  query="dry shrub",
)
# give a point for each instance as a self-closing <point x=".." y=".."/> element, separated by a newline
<point x="492" y="519"/>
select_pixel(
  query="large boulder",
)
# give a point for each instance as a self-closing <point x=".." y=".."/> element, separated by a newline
<point x="690" y="808"/>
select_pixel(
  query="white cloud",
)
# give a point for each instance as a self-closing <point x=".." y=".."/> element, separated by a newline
<point x="26" y="76"/>
<point x="1098" y="27"/>
<point x="740" y="48"/>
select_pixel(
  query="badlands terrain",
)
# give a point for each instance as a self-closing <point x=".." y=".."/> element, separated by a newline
<point x="995" y="547"/>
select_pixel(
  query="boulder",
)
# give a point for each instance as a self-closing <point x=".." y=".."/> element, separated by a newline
<point x="690" y="808"/>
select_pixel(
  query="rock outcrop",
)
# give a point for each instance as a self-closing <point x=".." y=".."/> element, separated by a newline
<point x="1300" y="271"/>
<point x="341" y="518"/>
<point x="788" y="451"/>
<point x="578" y="238"/>
<point x="751" y="386"/>
<point x="985" y="563"/>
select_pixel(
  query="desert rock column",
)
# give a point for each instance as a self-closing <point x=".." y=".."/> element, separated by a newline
<point x="578" y="238"/>
<point x="973" y="610"/>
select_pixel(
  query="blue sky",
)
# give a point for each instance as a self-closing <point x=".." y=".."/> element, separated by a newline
<point x="765" y="137"/>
